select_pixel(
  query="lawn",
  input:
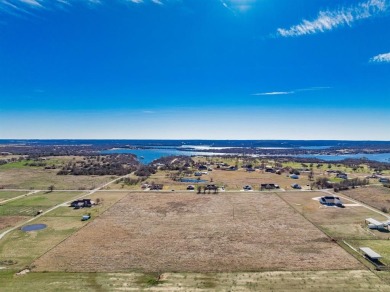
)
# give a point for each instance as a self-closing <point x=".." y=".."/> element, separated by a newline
<point x="380" y="246"/>
<point x="29" y="206"/>
<point x="5" y="195"/>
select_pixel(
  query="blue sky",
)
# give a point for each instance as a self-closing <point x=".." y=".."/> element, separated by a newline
<point x="195" y="69"/>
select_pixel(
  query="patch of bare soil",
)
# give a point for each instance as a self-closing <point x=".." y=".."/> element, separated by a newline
<point x="10" y="221"/>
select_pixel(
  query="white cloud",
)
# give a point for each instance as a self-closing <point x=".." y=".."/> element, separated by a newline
<point x="238" y="5"/>
<point x="344" y="16"/>
<point x="273" y="93"/>
<point x="32" y="2"/>
<point x="381" y="58"/>
<point x="157" y="2"/>
<point x="23" y="6"/>
<point x="291" y="92"/>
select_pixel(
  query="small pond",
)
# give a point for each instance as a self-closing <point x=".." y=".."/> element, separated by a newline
<point x="33" y="227"/>
<point x="192" y="180"/>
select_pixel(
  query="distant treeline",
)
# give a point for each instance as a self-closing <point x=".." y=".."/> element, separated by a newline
<point x="295" y="151"/>
<point x="119" y="164"/>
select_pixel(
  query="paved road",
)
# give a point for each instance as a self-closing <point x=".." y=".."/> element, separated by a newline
<point x="59" y="205"/>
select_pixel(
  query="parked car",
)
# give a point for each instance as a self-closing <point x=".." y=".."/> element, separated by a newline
<point x="247" y="188"/>
<point x="296" y="186"/>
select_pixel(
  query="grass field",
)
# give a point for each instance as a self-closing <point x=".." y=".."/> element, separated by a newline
<point x="375" y="196"/>
<point x="27" y="177"/>
<point x="5" y="195"/>
<point x="197" y="233"/>
<point x="380" y="246"/>
<point x="24" y="247"/>
<point x="29" y="206"/>
<point x="339" y="223"/>
<point x="227" y="242"/>
<point x="266" y="281"/>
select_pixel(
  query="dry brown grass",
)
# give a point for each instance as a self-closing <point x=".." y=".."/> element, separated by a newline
<point x="9" y="221"/>
<point x="198" y="233"/>
<point x="39" y="178"/>
<point x="375" y="196"/>
<point x="359" y="280"/>
<point x="346" y="222"/>
<point x="24" y="247"/>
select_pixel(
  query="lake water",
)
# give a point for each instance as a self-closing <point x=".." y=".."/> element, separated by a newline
<point x="381" y="157"/>
<point x="152" y="154"/>
<point x="193" y="180"/>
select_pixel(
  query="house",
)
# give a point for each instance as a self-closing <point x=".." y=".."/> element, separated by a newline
<point x="331" y="201"/>
<point x="384" y="180"/>
<point x="202" y="167"/>
<point x="191" y="188"/>
<point x="294" y="176"/>
<point x="83" y="203"/>
<point x="156" y="187"/>
<point x="342" y="175"/>
<point x="198" y="173"/>
<point x="211" y="187"/>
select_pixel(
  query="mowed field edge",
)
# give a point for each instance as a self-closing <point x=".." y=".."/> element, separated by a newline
<point x="181" y="232"/>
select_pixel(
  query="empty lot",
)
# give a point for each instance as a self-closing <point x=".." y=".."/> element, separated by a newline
<point x="347" y="223"/>
<point x="167" y="232"/>
<point x="375" y="196"/>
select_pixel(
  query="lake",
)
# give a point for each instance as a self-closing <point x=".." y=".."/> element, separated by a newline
<point x="152" y="154"/>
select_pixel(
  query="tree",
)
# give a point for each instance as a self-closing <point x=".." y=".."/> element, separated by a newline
<point x="311" y="175"/>
<point x="50" y="188"/>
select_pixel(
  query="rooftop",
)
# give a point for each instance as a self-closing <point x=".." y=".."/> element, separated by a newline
<point x="370" y="253"/>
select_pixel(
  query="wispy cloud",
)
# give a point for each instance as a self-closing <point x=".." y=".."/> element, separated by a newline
<point x="25" y="6"/>
<point x="238" y="5"/>
<point x="344" y="16"/>
<point x="381" y="58"/>
<point x="290" y="92"/>
<point x="273" y="93"/>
